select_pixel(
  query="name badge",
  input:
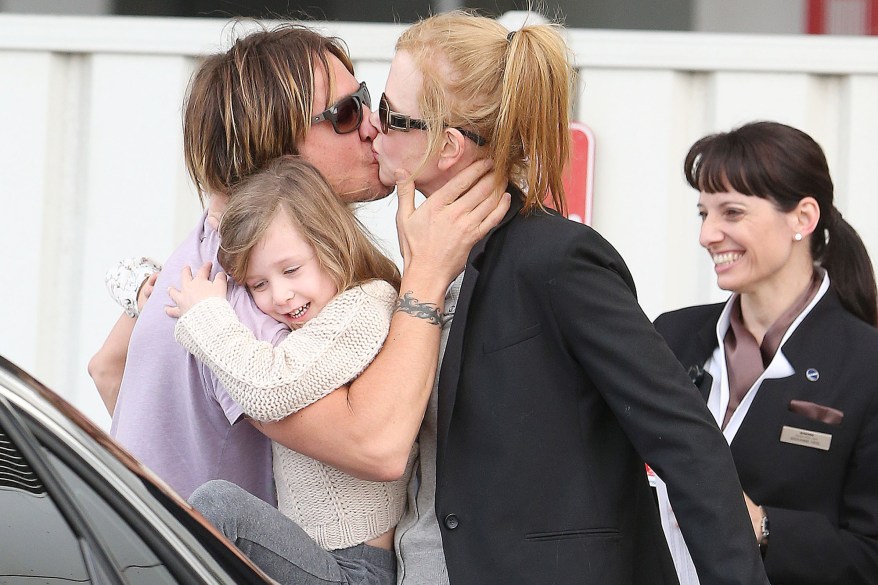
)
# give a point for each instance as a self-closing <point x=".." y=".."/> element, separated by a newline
<point x="805" y="438"/>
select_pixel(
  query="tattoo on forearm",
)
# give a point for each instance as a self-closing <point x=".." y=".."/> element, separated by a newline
<point x="428" y="311"/>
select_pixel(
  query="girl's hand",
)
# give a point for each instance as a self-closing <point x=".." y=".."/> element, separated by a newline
<point x="195" y="289"/>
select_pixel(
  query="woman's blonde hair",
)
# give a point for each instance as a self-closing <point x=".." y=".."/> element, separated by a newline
<point x="512" y="89"/>
<point x="294" y="187"/>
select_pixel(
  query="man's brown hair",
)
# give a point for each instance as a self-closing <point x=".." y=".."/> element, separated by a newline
<point x="253" y="103"/>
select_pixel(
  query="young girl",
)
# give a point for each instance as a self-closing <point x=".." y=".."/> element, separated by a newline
<point x="308" y="264"/>
<point x="554" y="386"/>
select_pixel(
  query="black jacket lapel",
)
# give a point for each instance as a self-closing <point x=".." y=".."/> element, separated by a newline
<point x="449" y="374"/>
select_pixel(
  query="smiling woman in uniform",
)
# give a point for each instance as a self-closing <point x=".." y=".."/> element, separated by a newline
<point x="786" y="364"/>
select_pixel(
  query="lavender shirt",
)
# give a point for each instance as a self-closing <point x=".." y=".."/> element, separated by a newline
<point x="172" y="414"/>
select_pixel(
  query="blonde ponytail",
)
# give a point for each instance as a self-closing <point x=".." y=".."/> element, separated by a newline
<point x="535" y="112"/>
<point x="512" y="89"/>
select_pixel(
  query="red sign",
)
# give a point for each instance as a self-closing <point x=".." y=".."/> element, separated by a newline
<point x="846" y="17"/>
<point x="579" y="174"/>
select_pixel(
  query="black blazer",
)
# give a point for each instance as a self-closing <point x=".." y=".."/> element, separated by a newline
<point x="822" y="505"/>
<point x="554" y="388"/>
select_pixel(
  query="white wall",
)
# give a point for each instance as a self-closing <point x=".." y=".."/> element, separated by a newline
<point x="92" y="170"/>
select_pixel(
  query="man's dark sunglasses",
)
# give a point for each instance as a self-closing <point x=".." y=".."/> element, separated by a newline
<point x="346" y="114"/>
<point x="391" y="120"/>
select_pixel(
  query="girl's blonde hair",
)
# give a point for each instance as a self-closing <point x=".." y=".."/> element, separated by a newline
<point x="512" y="89"/>
<point x="292" y="186"/>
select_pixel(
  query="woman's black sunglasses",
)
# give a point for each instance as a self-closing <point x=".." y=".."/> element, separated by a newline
<point x="346" y="114"/>
<point x="391" y="120"/>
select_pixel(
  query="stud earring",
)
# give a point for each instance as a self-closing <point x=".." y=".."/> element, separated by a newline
<point x="798" y="237"/>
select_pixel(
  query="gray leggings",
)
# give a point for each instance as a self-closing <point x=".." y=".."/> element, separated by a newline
<point x="281" y="548"/>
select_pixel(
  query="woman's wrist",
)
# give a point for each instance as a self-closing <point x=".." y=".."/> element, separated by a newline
<point x="764" y="532"/>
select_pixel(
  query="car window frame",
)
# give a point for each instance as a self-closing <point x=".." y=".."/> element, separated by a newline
<point x="178" y="535"/>
<point x="98" y="563"/>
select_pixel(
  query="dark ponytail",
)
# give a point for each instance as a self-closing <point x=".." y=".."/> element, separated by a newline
<point x="845" y="257"/>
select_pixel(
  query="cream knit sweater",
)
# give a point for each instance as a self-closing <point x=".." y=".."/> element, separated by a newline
<point x="270" y="383"/>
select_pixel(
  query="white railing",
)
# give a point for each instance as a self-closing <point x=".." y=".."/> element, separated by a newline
<point x="91" y="168"/>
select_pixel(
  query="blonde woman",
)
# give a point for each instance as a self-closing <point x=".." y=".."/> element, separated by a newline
<point x="554" y="387"/>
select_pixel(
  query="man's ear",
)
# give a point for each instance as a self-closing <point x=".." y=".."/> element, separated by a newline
<point x="453" y="148"/>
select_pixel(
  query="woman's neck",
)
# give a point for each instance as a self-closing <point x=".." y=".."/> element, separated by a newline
<point x="428" y="187"/>
<point x="428" y="181"/>
<point x="763" y="306"/>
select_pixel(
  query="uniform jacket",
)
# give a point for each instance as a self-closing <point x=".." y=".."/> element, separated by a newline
<point x="554" y="388"/>
<point x="822" y="505"/>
